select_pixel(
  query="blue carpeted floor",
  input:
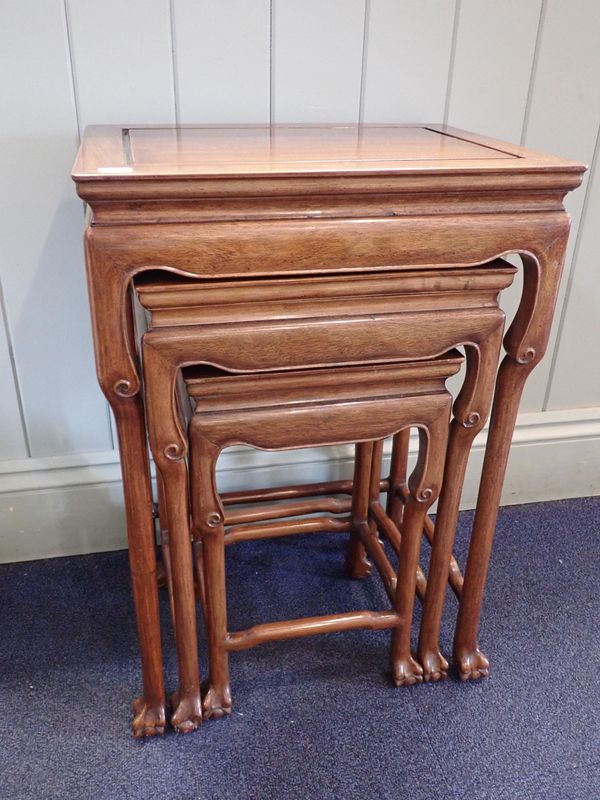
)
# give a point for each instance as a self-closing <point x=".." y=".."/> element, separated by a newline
<point x="315" y="718"/>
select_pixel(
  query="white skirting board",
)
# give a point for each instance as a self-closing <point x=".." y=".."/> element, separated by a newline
<point x="71" y="505"/>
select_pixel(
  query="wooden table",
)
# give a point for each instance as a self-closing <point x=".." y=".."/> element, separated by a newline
<point x="227" y="202"/>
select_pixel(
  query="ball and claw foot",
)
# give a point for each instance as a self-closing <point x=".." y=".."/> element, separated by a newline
<point x="358" y="567"/>
<point x="148" y="720"/>
<point x="471" y="665"/>
<point x="435" y="666"/>
<point x="217" y="703"/>
<point x="187" y="714"/>
<point x="407" y="672"/>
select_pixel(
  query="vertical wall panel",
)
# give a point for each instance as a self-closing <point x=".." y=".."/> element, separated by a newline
<point x="564" y="116"/>
<point x="495" y="47"/>
<point x="122" y="60"/>
<point x="317" y="60"/>
<point x="576" y="378"/>
<point x="41" y="223"/>
<point x="222" y="60"/>
<point x="12" y="436"/>
<point x="407" y="60"/>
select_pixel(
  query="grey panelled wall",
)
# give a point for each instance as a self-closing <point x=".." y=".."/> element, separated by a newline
<point x="40" y="231"/>
<point x="520" y="70"/>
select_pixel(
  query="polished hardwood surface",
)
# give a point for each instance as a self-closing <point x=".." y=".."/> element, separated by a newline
<point x="146" y="151"/>
<point x="174" y="301"/>
<point x="311" y="210"/>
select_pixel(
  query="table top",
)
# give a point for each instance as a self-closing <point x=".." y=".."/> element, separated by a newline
<point x="117" y="153"/>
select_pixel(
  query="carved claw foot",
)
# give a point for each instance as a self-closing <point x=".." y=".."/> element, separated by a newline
<point x="187" y="714"/>
<point x="435" y="666"/>
<point x="217" y="703"/>
<point x="471" y="665"/>
<point x="358" y="568"/>
<point x="148" y="720"/>
<point x="407" y="672"/>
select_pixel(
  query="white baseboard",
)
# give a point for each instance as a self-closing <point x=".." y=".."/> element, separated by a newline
<point x="71" y="505"/>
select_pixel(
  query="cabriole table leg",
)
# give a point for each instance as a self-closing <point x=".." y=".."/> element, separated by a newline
<point x="398" y="476"/>
<point x="470" y="413"/>
<point x="525" y="344"/>
<point x="111" y="312"/>
<point x="357" y="563"/>
<point x="424" y="486"/>
<point x="149" y="709"/>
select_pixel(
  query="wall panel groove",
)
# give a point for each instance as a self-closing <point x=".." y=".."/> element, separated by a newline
<point x="174" y="67"/>
<point x="455" y="26"/>
<point x="534" y="65"/>
<point x="14" y="441"/>
<point x="271" y="63"/>
<point x="71" y="68"/>
<point x="363" y="69"/>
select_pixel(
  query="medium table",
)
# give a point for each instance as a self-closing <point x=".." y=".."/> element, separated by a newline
<point x="210" y="202"/>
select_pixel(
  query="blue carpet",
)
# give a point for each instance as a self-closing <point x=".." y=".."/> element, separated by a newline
<point x="315" y="718"/>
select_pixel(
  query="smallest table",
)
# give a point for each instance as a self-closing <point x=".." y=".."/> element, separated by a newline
<point x="282" y="201"/>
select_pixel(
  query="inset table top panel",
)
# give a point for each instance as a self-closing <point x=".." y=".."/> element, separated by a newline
<point x="286" y="150"/>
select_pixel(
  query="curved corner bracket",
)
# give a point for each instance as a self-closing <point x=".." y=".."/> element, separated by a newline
<point x="208" y="514"/>
<point x="112" y="322"/>
<point x="472" y="404"/>
<point x="521" y="340"/>
<point x="419" y="478"/>
<point x="465" y="409"/>
<point x="167" y="436"/>
<point x="131" y="383"/>
<point x="176" y="450"/>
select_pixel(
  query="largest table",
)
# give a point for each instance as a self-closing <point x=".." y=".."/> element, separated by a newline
<point x="233" y="201"/>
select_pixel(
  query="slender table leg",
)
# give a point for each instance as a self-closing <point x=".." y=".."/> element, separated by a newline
<point x="424" y="486"/>
<point x="160" y="378"/>
<point x="376" y="469"/>
<point x="187" y="706"/>
<point x="208" y="519"/>
<point x="357" y="563"/>
<point x="149" y="709"/>
<point x="361" y="484"/>
<point x="525" y="344"/>
<point x="471" y="409"/>
<point x="165" y="548"/>
<point x="115" y="362"/>
<point x="398" y="476"/>
<point x="375" y="479"/>
<point x="166" y="554"/>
